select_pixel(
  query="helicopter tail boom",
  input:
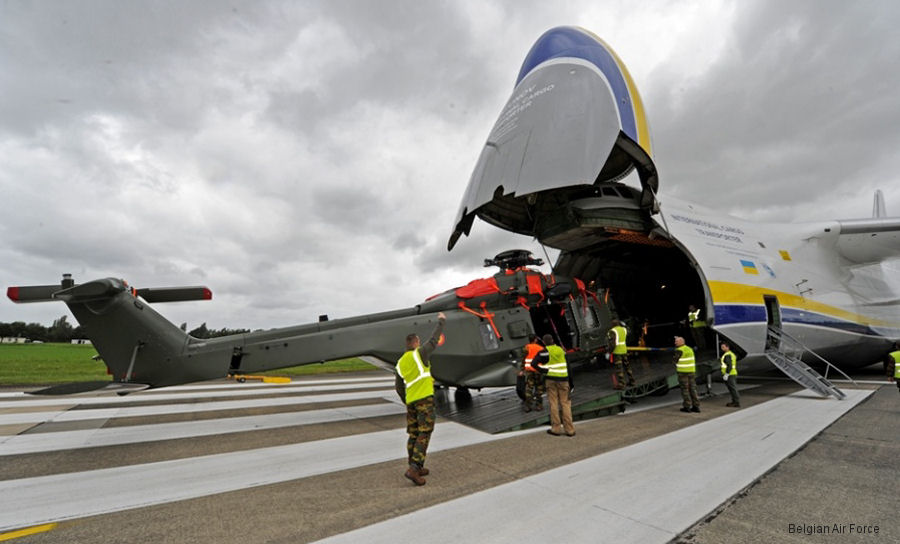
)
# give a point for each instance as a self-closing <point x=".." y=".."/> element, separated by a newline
<point x="137" y="344"/>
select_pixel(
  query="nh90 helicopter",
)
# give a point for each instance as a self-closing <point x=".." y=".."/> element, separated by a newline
<point x="488" y="322"/>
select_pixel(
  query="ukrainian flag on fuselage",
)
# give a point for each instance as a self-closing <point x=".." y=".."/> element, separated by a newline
<point x="749" y="267"/>
<point x="576" y="42"/>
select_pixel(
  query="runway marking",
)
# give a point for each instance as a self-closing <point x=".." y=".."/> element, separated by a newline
<point x="28" y="531"/>
<point x="672" y="480"/>
<point x="305" y="380"/>
<point x="238" y="391"/>
<point x="211" y="406"/>
<point x="90" y="438"/>
<point x="228" y="386"/>
<point x="60" y="497"/>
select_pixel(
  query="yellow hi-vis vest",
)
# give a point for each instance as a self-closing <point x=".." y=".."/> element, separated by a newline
<point x="694" y="318"/>
<point x="686" y="360"/>
<point x="729" y="355"/>
<point x="620" y="332"/>
<point x="556" y="366"/>
<point x="416" y="375"/>
<point x="896" y="356"/>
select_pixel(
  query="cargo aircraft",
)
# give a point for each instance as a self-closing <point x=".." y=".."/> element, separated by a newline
<point x="553" y="167"/>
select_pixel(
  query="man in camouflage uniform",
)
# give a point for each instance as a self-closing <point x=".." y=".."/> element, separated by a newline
<point x="685" y="366"/>
<point x="417" y="386"/>
<point x="618" y="350"/>
<point x="534" y="380"/>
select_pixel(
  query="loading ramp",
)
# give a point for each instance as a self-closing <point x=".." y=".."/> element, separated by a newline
<point x="500" y="410"/>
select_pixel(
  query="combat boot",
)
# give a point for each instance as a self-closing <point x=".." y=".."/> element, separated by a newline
<point x="413" y="474"/>
<point x="424" y="471"/>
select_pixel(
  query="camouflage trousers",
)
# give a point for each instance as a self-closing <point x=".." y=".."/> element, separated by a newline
<point x="534" y="389"/>
<point x="688" y="386"/>
<point x="623" y="366"/>
<point x="419" y="425"/>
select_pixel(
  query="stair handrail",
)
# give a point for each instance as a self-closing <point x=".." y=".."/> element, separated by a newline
<point x="782" y="334"/>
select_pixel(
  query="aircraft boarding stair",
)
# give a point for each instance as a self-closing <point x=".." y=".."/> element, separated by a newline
<point x="784" y="352"/>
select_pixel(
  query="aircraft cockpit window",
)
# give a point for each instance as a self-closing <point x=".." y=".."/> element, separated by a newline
<point x="488" y="338"/>
<point x="626" y="192"/>
<point x="592" y="319"/>
<point x="609" y="191"/>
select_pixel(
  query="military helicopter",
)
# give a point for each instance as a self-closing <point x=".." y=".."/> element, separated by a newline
<point x="488" y="322"/>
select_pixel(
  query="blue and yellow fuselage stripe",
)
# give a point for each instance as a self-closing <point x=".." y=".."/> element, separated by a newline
<point x="738" y="303"/>
<point x="574" y="42"/>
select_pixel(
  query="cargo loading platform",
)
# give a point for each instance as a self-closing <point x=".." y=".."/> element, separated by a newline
<point x="500" y="410"/>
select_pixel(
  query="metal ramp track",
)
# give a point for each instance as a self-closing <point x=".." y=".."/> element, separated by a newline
<point x="500" y="410"/>
<point x="784" y="352"/>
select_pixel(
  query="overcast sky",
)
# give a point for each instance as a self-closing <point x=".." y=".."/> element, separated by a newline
<point x="303" y="158"/>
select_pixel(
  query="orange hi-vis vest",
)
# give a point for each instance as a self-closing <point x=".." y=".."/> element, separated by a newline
<point x="531" y="350"/>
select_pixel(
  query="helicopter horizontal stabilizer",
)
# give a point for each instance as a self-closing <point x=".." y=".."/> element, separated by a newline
<point x="102" y="289"/>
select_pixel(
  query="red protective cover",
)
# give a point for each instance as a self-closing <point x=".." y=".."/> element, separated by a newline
<point x="477" y="288"/>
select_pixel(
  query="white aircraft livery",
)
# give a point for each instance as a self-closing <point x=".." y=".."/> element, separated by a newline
<point x="552" y="168"/>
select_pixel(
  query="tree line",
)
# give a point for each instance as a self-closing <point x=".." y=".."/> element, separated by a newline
<point x="63" y="331"/>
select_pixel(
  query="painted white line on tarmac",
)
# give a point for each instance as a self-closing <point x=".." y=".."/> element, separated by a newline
<point x="222" y="385"/>
<point x="45" y="499"/>
<point x="645" y="493"/>
<point x="236" y="391"/>
<point x="381" y="377"/>
<point x="184" y="408"/>
<point x="89" y="438"/>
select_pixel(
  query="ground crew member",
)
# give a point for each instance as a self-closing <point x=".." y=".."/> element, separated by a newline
<point x="552" y="361"/>
<point x="686" y="367"/>
<point x="534" y="380"/>
<point x="894" y="366"/>
<point x="697" y="326"/>
<point x="729" y="374"/>
<point x="645" y="330"/>
<point x="414" y="368"/>
<point x="619" y="352"/>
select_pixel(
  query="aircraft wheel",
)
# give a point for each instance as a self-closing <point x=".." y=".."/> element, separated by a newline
<point x="462" y="394"/>
<point x="242" y="380"/>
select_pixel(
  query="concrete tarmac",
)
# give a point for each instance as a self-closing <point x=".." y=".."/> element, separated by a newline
<point x="310" y="507"/>
<point x="843" y="486"/>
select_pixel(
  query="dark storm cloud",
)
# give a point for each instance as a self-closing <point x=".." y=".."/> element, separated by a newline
<point x="799" y="105"/>
<point x="400" y="56"/>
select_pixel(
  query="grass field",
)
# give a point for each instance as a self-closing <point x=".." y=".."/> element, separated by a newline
<point x="47" y="364"/>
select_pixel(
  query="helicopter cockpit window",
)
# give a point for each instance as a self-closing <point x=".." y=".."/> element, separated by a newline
<point x="488" y="338"/>
<point x="590" y="317"/>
